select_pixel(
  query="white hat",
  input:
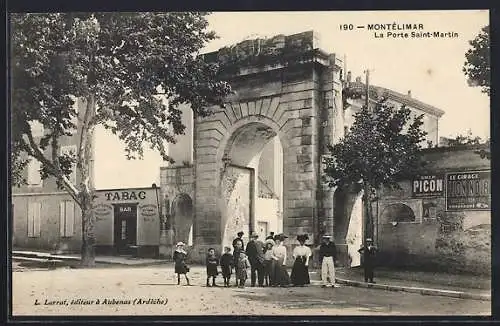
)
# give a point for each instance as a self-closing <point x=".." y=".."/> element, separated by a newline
<point x="180" y="244"/>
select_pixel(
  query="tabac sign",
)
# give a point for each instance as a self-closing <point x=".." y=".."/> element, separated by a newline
<point x="427" y="186"/>
<point x="468" y="190"/>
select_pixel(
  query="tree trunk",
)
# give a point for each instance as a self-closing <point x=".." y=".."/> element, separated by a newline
<point x="88" y="235"/>
<point x="85" y="164"/>
<point x="368" y="212"/>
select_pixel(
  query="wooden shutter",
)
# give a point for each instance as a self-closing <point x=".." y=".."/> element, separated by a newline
<point x="62" y="218"/>
<point x="34" y="177"/>
<point x="31" y="215"/>
<point x="70" y="218"/>
<point x="37" y="219"/>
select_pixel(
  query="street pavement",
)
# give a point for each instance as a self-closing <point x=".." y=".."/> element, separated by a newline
<point x="68" y="291"/>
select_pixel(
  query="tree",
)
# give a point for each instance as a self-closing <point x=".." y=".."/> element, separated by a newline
<point x="116" y="63"/>
<point x="464" y="140"/>
<point x="477" y="65"/>
<point x="469" y="140"/>
<point x="381" y="148"/>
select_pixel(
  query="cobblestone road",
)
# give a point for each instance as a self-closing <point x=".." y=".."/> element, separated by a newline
<point x="31" y="289"/>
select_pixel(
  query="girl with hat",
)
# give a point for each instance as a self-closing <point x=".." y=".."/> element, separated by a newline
<point x="269" y="263"/>
<point x="281" y="277"/>
<point x="300" y="270"/>
<point x="180" y="256"/>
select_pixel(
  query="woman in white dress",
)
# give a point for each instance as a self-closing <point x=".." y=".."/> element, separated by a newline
<point x="300" y="270"/>
<point x="281" y="277"/>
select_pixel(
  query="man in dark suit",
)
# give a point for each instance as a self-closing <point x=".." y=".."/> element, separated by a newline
<point x="255" y="253"/>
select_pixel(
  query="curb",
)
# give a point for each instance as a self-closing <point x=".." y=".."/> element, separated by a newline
<point x="422" y="291"/>
<point x="76" y="259"/>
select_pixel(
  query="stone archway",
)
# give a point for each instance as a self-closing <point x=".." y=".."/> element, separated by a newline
<point x="299" y="102"/>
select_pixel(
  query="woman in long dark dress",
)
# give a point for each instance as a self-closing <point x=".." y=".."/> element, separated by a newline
<point x="281" y="277"/>
<point x="300" y="270"/>
<point x="180" y="266"/>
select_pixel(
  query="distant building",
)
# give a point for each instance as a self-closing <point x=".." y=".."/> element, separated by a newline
<point x="47" y="218"/>
<point x="431" y="114"/>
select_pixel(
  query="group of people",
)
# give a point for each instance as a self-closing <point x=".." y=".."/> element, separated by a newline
<point x="266" y="262"/>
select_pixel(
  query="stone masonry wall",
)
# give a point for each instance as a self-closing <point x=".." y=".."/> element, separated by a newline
<point x="438" y="239"/>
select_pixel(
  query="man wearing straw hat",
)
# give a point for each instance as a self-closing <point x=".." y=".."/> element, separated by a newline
<point x="327" y="258"/>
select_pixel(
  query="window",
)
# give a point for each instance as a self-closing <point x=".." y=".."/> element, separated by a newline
<point x="34" y="210"/>
<point x="66" y="218"/>
<point x="34" y="177"/>
<point x="70" y="150"/>
<point x="36" y="129"/>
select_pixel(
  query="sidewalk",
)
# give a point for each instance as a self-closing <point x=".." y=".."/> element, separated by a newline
<point x="111" y="260"/>
<point x="425" y="283"/>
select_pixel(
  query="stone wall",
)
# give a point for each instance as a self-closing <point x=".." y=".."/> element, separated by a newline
<point x="437" y="239"/>
<point x="49" y="237"/>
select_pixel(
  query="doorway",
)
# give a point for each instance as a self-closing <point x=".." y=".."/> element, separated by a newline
<point x="262" y="229"/>
<point x="125" y="234"/>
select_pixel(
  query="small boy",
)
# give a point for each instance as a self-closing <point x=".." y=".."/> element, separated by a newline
<point x="226" y="264"/>
<point x="268" y="263"/>
<point x="241" y="271"/>
<point x="212" y="262"/>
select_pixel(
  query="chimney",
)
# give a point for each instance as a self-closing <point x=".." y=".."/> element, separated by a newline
<point x="409" y="93"/>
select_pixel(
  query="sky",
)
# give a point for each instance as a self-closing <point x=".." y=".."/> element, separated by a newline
<point x="430" y="68"/>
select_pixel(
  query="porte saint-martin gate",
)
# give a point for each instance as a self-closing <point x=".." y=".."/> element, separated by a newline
<point x="285" y="87"/>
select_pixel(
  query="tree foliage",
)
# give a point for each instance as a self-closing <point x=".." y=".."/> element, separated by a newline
<point x="468" y="140"/>
<point x="477" y="67"/>
<point x="381" y="147"/>
<point x="122" y="66"/>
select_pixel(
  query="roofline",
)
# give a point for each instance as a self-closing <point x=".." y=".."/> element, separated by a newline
<point x="132" y="188"/>
<point x="410" y="101"/>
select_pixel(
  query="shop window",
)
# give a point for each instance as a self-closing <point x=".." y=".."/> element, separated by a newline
<point x="71" y="151"/>
<point x="34" y="212"/>
<point x="66" y="218"/>
<point x="398" y="213"/>
<point x="34" y="177"/>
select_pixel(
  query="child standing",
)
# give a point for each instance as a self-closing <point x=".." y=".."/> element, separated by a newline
<point x="180" y="256"/>
<point x="241" y="270"/>
<point x="212" y="262"/>
<point x="269" y="263"/>
<point x="226" y="264"/>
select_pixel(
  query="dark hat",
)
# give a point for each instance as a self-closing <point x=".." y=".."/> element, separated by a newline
<point x="254" y="235"/>
<point x="240" y="233"/>
<point x="302" y="237"/>
<point x="280" y="237"/>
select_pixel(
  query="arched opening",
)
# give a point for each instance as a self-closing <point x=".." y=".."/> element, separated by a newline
<point x="252" y="183"/>
<point x="397" y="213"/>
<point x="182" y="216"/>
